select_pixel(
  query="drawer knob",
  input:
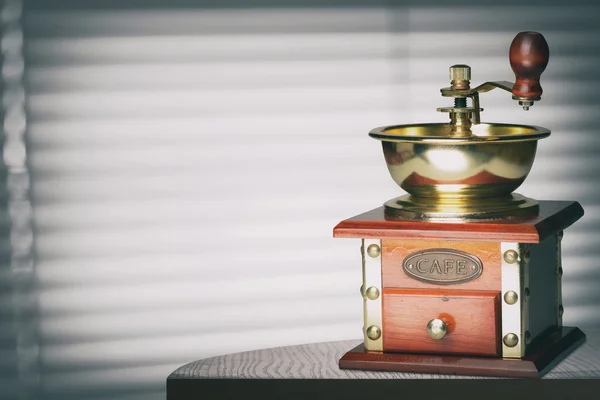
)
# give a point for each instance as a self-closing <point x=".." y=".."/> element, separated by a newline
<point x="436" y="329"/>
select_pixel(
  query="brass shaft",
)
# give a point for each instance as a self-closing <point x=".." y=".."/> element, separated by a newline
<point x="460" y="124"/>
<point x="460" y="78"/>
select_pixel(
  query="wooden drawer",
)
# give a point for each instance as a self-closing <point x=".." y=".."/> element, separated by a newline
<point x="472" y="318"/>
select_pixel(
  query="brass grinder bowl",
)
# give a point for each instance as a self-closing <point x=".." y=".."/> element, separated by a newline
<point x="433" y="166"/>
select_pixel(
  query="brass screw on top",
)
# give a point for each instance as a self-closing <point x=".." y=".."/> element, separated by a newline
<point x="460" y="76"/>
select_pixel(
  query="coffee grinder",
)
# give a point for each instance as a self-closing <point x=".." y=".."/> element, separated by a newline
<point x="461" y="275"/>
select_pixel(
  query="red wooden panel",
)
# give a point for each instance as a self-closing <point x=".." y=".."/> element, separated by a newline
<point x="472" y="318"/>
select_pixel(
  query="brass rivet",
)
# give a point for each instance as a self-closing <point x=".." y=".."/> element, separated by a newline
<point x="373" y="332"/>
<point x="510" y="256"/>
<point x="527" y="337"/>
<point x="373" y="251"/>
<point x="526" y="256"/>
<point x="560" y="272"/>
<point x="511" y="297"/>
<point x="362" y="290"/>
<point x="373" y="293"/>
<point x="510" y="340"/>
<point x="561" y="310"/>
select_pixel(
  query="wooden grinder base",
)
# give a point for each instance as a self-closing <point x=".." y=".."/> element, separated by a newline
<point x="547" y="354"/>
<point x="405" y="350"/>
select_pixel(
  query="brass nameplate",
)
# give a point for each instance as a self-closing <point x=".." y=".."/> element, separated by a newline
<point x="442" y="266"/>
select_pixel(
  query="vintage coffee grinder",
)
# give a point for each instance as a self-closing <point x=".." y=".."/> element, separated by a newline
<point x="461" y="275"/>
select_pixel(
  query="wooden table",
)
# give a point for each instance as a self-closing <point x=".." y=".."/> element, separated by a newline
<point x="320" y="361"/>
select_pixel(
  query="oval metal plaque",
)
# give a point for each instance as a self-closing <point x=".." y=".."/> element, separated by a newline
<point x="442" y="266"/>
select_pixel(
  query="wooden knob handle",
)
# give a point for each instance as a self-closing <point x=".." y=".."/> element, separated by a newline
<point x="529" y="56"/>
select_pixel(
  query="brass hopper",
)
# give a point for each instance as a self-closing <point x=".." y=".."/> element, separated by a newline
<point x="466" y="169"/>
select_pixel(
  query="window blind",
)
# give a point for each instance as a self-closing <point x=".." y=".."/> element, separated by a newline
<point x="188" y="166"/>
<point x="19" y="344"/>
